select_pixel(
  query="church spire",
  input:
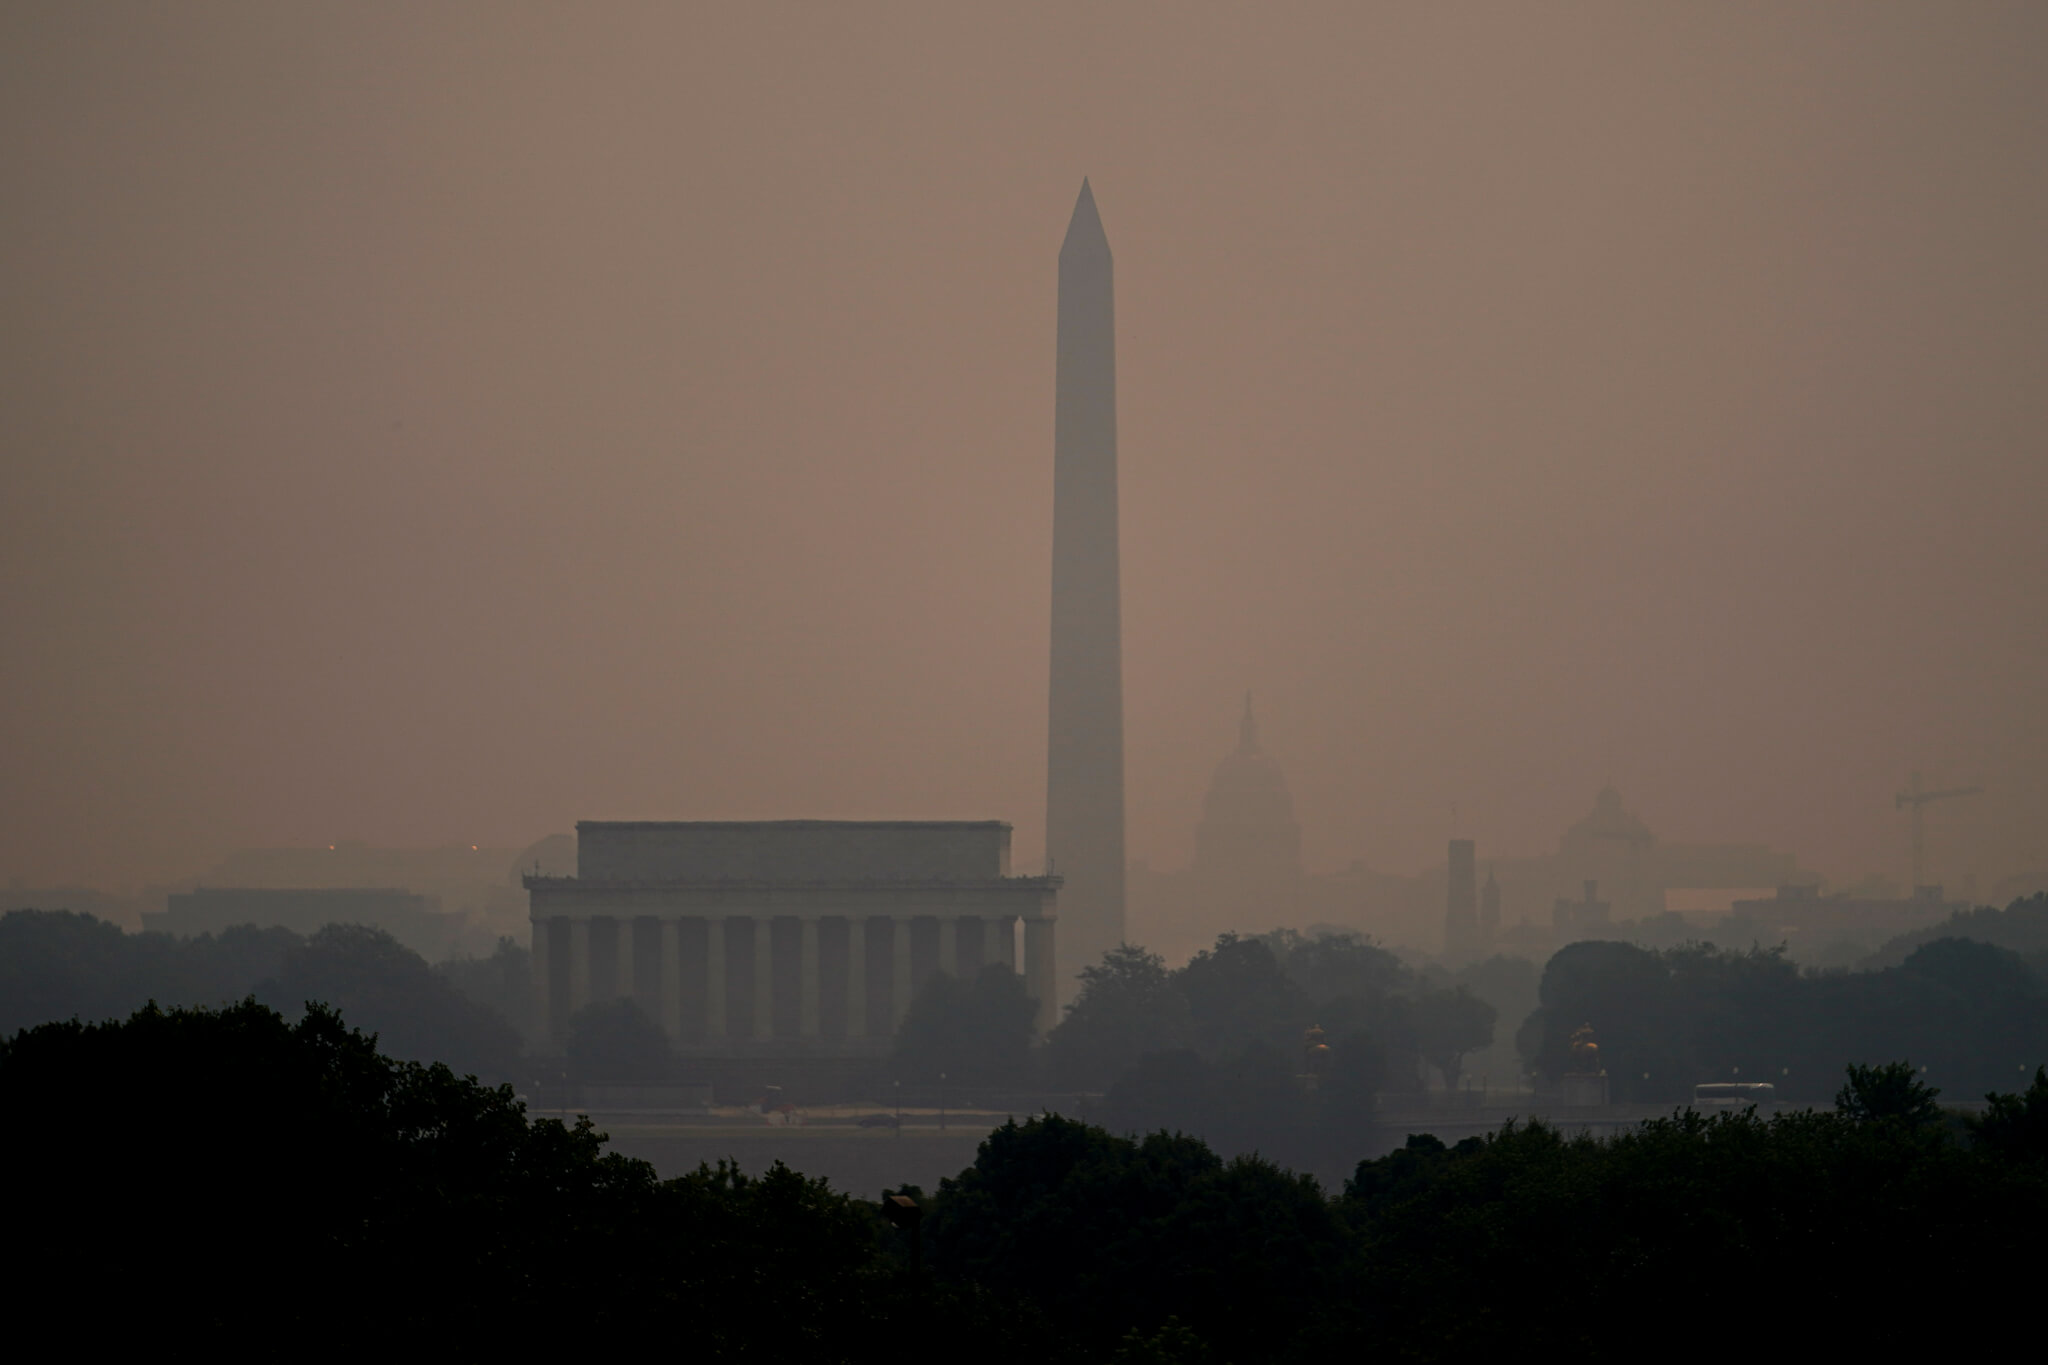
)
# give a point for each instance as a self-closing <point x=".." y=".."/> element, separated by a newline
<point x="1248" y="729"/>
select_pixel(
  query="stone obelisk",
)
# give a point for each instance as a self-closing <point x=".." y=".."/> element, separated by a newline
<point x="1084" y="789"/>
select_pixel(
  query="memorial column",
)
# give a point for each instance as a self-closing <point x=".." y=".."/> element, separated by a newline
<point x="807" y="978"/>
<point x="629" y="930"/>
<point x="764" y="978"/>
<point x="543" y="930"/>
<point x="672" y="978"/>
<point x="579" y="963"/>
<point x="714" y="977"/>
<point x="856" y="976"/>
<point x="899" y="977"/>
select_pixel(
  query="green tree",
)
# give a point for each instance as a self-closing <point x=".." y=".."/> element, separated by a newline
<point x="1111" y="1236"/>
<point x="613" y="1042"/>
<point x="1347" y="1093"/>
<point x="1890" y="1093"/>
<point x="2015" y="1126"/>
<point x="282" y="1157"/>
<point x="1172" y="1344"/>
<point x="973" y="1032"/>
<point x="1252" y="1101"/>
<point x="1237" y="993"/>
<point x="250" y="1181"/>
<point x="1333" y="967"/>
<point x="502" y="982"/>
<point x="1450" y="1024"/>
<point x="1128" y="1007"/>
<point x="55" y="964"/>
<point x="387" y="989"/>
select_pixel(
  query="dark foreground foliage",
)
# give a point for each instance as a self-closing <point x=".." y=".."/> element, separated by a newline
<point x="231" y="1182"/>
<point x="234" y="1183"/>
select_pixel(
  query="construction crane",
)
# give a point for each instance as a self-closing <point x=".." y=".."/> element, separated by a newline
<point x="1915" y="798"/>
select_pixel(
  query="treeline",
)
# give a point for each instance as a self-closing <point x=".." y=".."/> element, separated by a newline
<point x="1219" y="1047"/>
<point x="1973" y="1015"/>
<point x="469" y="1013"/>
<point x="1277" y="1044"/>
<point x="2022" y="926"/>
<point x="232" y="1182"/>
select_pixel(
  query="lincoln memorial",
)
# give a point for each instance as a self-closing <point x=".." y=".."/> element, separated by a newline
<point x="803" y="937"/>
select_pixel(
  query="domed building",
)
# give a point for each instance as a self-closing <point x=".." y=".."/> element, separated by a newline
<point x="1247" y="867"/>
<point x="1610" y="847"/>
<point x="1609" y="826"/>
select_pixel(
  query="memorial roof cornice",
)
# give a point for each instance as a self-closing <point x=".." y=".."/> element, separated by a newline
<point x="797" y="824"/>
<point x="544" y="883"/>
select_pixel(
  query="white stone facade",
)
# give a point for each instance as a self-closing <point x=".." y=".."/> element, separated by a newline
<point x="801" y="937"/>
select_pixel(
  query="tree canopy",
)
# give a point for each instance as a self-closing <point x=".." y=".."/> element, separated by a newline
<point x="613" y="1042"/>
<point x="389" y="990"/>
<point x="60" y="965"/>
<point x="232" y="1181"/>
<point x="1973" y="1014"/>
<point x="975" y="1032"/>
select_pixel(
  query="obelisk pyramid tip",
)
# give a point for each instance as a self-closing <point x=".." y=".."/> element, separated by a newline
<point x="1085" y="227"/>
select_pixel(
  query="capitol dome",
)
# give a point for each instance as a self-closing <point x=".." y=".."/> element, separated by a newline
<point x="1248" y="834"/>
<point x="1609" y="822"/>
<point x="1249" y="788"/>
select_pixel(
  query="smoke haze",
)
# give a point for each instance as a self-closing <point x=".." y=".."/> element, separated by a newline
<point x="439" y="425"/>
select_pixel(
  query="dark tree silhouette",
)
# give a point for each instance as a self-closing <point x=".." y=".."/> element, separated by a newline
<point x="1891" y="1093"/>
<point x="613" y="1042"/>
<point x="1448" y="1025"/>
<point x="388" y="990"/>
<point x="971" y="1032"/>
<point x="1128" y="1007"/>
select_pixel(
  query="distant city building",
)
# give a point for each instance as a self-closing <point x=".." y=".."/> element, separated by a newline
<point x="479" y="886"/>
<point x="1585" y="917"/>
<point x="1639" y="875"/>
<point x="797" y="937"/>
<point x="1248" y="878"/>
<point x="1612" y="846"/>
<point x="1804" y="919"/>
<point x="412" y="919"/>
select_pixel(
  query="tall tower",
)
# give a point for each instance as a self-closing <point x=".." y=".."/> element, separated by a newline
<point x="1084" y="787"/>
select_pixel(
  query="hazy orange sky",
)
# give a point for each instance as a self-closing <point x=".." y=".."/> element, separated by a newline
<point x="439" y="423"/>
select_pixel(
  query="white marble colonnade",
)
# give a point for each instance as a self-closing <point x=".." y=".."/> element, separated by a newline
<point x="655" y="969"/>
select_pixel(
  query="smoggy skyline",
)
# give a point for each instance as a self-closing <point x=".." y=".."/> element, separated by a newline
<point x="433" y="425"/>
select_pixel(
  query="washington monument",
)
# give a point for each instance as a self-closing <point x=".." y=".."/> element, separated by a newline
<point x="1084" y="790"/>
